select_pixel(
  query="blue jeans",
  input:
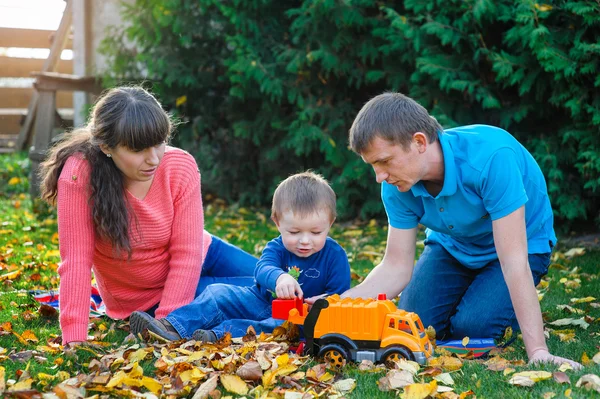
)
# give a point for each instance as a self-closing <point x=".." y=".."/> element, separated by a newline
<point x="461" y="302"/>
<point x="226" y="264"/>
<point x="225" y="308"/>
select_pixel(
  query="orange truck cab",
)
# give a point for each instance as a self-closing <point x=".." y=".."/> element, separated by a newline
<point x="357" y="329"/>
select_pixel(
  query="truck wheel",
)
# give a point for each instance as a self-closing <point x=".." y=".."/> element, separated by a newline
<point x="395" y="355"/>
<point x="334" y="355"/>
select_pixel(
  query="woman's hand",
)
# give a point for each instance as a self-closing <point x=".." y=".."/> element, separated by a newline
<point x="287" y="287"/>
<point x="543" y="356"/>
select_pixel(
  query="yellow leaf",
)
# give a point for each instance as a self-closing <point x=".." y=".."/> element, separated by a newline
<point x="447" y="363"/>
<point x="419" y="391"/>
<point x="585" y="360"/>
<point x="24" y="385"/>
<point x="583" y="300"/>
<point x="508" y="371"/>
<point x="138" y="355"/>
<point x="194" y="375"/>
<point x="152" y="385"/>
<point x="180" y="100"/>
<point x="14" y="181"/>
<point x="11" y="275"/>
<point x="282" y="360"/>
<point x="268" y="378"/>
<point x="465" y="341"/>
<point x="234" y="384"/>
<point x="535" y="376"/>
<point x="2" y="381"/>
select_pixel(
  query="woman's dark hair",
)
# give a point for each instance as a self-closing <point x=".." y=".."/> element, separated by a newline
<point x="127" y="116"/>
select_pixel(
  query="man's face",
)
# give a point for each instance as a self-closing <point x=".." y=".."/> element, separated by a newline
<point x="393" y="164"/>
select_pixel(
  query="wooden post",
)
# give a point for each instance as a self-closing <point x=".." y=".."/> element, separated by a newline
<point x="44" y="124"/>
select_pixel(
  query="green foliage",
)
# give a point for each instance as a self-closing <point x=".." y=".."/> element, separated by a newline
<point x="272" y="87"/>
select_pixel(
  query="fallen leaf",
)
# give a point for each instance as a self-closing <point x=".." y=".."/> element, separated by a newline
<point x="234" y="384"/>
<point x="447" y="363"/>
<point x="589" y="381"/>
<point x="419" y="391"/>
<point x="250" y="370"/>
<point x="521" y="380"/>
<point x="535" y="376"/>
<point x="574" y="251"/>
<point x="575" y="322"/>
<point x="345" y="386"/>
<point x="596" y="358"/>
<point x="444" y="378"/>
<point x="561" y="377"/>
<point x="583" y="300"/>
<point x="208" y="386"/>
<point x="465" y="341"/>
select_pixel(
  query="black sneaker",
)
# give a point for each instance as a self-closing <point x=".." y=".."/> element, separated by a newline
<point x="140" y="321"/>
<point x="204" y="336"/>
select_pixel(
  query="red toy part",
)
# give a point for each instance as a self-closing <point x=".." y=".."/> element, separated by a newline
<point x="281" y="307"/>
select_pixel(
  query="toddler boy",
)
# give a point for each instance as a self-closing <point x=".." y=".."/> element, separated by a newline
<point x="304" y="208"/>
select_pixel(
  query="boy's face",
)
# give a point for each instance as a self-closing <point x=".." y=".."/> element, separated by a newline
<point x="304" y="236"/>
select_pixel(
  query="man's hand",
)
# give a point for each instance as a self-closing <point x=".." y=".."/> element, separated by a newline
<point x="311" y="301"/>
<point x="287" y="287"/>
<point x="543" y="356"/>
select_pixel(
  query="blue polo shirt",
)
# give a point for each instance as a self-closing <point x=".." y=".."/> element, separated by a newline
<point x="488" y="175"/>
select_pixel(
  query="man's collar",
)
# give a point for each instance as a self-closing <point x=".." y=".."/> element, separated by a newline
<point x="449" y="186"/>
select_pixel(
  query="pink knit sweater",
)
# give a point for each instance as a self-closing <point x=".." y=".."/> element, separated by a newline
<point x="168" y="243"/>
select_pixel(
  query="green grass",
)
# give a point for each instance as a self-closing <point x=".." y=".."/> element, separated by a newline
<point x="28" y="250"/>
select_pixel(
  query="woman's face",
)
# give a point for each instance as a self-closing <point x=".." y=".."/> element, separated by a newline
<point x="137" y="166"/>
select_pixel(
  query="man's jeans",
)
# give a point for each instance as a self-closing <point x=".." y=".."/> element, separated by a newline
<point x="226" y="264"/>
<point x="225" y="308"/>
<point x="461" y="302"/>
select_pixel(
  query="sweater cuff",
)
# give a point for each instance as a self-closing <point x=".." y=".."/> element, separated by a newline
<point x="75" y="332"/>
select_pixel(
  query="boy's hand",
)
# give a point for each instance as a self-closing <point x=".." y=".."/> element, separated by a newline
<point x="287" y="287"/>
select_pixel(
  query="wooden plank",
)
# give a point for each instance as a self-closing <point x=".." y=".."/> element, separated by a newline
<point x="60" y="39"/>
<point x="20" y="98"/>
<point x="13" y="67"/>
<point x="52" y="81"/>
<point x="12" y="118"/>
<point x="29" y="38"/>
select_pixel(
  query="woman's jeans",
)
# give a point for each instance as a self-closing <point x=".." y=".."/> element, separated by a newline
<point x="225" y="264"/>
<point x="461" y="302"/>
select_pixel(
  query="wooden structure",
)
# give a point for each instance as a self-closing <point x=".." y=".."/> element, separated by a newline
<point x="42" y="116"/>
<point x="14" y="101"/>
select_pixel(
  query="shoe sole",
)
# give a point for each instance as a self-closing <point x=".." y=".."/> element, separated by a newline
<point x="139" y="321"/>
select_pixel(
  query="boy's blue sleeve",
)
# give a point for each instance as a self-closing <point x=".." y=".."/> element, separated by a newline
<point x="501" y="184"/>
<point x="270" y="265"/>
<point x="338" y="276"/>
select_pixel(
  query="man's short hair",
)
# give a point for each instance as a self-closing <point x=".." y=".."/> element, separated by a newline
<point x="393" y="117"/>
<point x="304" y="193"/>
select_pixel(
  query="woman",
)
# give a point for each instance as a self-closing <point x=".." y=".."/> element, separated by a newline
<point x="130" y="209"/>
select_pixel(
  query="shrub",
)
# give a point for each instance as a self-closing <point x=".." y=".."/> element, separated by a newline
<point x="269" y="87"/>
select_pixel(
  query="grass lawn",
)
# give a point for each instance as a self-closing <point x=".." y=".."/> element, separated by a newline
<point x="31" y="355"/>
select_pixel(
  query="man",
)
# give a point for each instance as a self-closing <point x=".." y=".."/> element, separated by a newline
<point x="490" y="230"/>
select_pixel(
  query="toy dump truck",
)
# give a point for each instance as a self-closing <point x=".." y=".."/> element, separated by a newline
<point x="356" y="329"/>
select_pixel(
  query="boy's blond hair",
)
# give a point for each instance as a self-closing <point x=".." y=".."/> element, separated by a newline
<point x="303" y="194"/>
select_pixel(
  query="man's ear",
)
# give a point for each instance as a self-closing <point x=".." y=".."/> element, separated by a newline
<point x="420" y="141"/>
